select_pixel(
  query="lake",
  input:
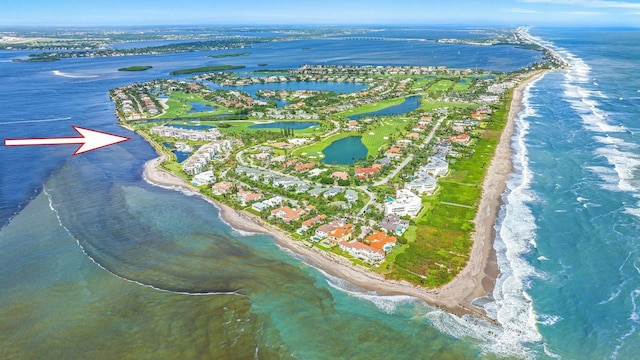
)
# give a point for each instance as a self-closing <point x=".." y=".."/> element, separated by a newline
<point x="345" y="151"/>
<point x="409" y="104"/>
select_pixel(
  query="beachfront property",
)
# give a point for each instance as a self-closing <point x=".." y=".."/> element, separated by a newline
<point x="342" y="233"/>
<point x="381" y="241"/>
<point x="422" y="183"/>
<point x="222" y="187"/>
<point x="287" y="214"/>
<point x="361" y="251"/>
<point x="203" y="178"/>
<point x="186" y="134"/>
<point x="405" y="203"/>
<point x="266" y="204"/>
<point x="198" y="161"/>
<point x="436" y="167"/>
<point x="246" y="197"/>
<point x="393" y="224"/>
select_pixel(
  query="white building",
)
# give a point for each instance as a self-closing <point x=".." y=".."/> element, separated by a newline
<point x="436" y="167"/>
<point x="203" y="178"/>
<point x="405" y="203"/>
<point x="423" y="183"/>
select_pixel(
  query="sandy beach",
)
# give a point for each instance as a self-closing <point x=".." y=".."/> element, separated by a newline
<point x="475" y="280"/>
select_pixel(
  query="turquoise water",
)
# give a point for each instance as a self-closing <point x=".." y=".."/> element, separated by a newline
<point x="409" y="104"/>
<point x="345" y="151"/>
<point x="295" y="125"/>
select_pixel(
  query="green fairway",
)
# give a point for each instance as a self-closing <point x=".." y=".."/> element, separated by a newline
<point x="374" y="138"/>
<point x="462" y="86"/>
<point x="441" y="86"/>
<point x="179" y="107"/>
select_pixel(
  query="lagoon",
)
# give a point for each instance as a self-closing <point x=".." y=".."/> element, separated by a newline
<point x="345" y="151"/>
<point x="409" y="104"/>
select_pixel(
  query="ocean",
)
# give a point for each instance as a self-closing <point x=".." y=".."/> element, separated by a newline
<point x="96" y="263"/>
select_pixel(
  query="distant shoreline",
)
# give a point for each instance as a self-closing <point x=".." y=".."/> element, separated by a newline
<point x="476" y="280"/>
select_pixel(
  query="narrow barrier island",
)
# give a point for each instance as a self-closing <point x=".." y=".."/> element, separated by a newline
<point x="416" y="207"/>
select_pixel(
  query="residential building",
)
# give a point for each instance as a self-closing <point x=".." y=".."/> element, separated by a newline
<point x="287" y="214"/>
<point x="222" y="187"/>
<point x="393" y="224"/>
<point x="361" y="251"/>
<point x="405" y="203"/>
<point x="381" y="241"/>
<point x="203" y="178"/>
<point x="423" y="183"/>
<point x="343" y="233"/>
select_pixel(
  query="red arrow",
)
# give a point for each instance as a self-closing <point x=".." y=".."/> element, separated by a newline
<point x="89" y="140"/>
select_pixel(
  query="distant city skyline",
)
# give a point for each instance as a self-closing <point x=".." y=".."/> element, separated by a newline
<point x="327" y="12"/>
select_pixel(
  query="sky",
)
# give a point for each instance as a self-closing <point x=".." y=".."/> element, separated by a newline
<point x="320" y="12"/>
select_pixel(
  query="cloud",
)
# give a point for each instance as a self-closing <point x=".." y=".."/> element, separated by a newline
<point x="523" y="11"/>
<point x="589" y="3"/>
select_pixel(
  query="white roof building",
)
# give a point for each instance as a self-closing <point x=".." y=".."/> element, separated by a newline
<point x="405" y="203"/>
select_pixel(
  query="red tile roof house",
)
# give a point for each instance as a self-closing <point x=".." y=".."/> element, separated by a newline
<point x="361" y="251"/>
<point x="393" y="153"/>
<point x="381" y="241"/>
<point x="222" y="187"/>
<point x="287" y="214"/>
<point x="460" y="139"/>
<point x="246" y="197"/>
<point x="305" y="167"/>
<point x="373" y="171"/>
<point x="314" y="220"/>
<point x="340" y="175"/>
<point x="342" y="233"/>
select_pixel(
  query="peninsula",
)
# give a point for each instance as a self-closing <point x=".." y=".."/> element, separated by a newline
<point x="394" y="187"/>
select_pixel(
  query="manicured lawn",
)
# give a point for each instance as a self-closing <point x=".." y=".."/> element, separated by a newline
<point x="461" y="86"/>
<point x="236" y="126"/>
<point x="443" y="235"/>
<point x="440" y="86"/>
<point x="179" y="107"/>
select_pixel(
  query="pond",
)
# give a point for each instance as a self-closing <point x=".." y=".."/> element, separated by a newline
<point x="409" y="104"/>
<point x="345" y="151"/>
<point x="295" y="125"/>
<point x="200" y="107"/>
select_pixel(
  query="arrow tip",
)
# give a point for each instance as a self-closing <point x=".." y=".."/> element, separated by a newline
<point x="94" y="139"/>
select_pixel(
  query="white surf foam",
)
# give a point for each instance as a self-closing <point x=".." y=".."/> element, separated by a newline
<point x="70" y="75"/>
<point x="513" y="307"/>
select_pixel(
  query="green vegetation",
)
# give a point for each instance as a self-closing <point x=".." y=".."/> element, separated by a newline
<point x="179" y="107"/>
<point x="443" y="236"/>
<point x="136" y="68"/>
<point x="441" y="86"/>
<point x="462" y="86"/>
<point x="204" y="69"/>
<point x="217" y="56"/>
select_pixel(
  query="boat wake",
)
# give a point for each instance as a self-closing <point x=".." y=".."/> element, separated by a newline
<point x="75" y="76"/>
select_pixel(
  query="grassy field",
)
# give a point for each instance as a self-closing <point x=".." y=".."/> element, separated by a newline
<point x="179" y="107"/>
<point x="244" y="126"/>
<point x="461" y="86"/>
<point x="443" y="236"/>
<point x="441" y="86"/>
<point x="371" y="107"/>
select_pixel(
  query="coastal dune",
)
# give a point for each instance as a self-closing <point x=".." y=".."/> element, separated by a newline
<point x="477" y="279"/>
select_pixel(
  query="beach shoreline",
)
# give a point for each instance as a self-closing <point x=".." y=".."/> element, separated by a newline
<point x="476" y="280"/>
